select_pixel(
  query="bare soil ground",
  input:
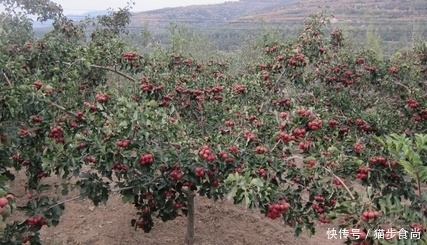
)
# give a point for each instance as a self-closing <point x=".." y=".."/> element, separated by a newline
<point x="216" y="224"/>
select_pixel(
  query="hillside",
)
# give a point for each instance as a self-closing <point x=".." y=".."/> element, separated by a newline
<point x="347" y="10"/>
<point x="227" y="23"/>
<point x="206" y="14"/>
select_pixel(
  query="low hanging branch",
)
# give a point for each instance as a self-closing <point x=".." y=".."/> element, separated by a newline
<point x="111" y="191"/>
<point x="64" y="109"/>
<point x="115" y="71"/>
<point x="329" y="171"/>
<point x="112" y="69"/>
<point x="341" y="181"/>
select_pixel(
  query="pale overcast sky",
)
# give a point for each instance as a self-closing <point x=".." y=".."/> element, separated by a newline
<point x="83" y="6"/>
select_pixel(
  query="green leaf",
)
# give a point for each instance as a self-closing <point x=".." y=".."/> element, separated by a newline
<point x="46" y="164"/>
<point x="123" y="124"/>
<point x="247" y="199"/>
<point x="407" y="166"/>
<point x="423" y="173"/>
<point x="152" y="103"/>
<point x="257" y="182"/>
<point x="230" y="179"/>
<point x="232" y="193"/>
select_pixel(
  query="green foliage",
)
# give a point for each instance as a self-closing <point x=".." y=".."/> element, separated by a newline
<point x="373" y="42"/>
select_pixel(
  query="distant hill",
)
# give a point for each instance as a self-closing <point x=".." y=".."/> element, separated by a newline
<point x="229" y="23"/>
<point x="206" y="15"/>
<point x="396" y="20"/>
<point x="282" y="11"/>
<point x="74" y="17"/>
<point x="348" y="10"/>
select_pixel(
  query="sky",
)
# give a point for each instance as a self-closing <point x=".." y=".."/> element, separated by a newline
<point x="84" y="6"/>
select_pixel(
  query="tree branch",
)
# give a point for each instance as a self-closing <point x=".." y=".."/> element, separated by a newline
<point x="341" y="181"/>
<point x="7" y="79"/>
<point x="109" y="69"/>
<point x="111" y="191"/>
<point x="275" y="145"/>
<point x="64" y="109"/>
<point x="403" y="85"/>
<point x="115" y="71"/>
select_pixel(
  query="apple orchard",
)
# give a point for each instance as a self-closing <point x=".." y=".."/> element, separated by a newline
<point x="289" y="134"/>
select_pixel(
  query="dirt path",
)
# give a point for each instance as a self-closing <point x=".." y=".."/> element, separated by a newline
<point x="216" y="224"/>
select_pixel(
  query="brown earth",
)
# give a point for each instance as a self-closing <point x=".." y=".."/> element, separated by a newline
<point x="216" y="223"/>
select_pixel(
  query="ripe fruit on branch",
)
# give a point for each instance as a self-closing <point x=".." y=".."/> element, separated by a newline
<point x="284" y="101"/>
<point x="261" y="150"/>
<point x="199" y="172"/>
<point x="178" y="205"/>
<point x="146" y="159"/>
<point x="206" y="154"/>
<point x="380" y="160"/>
<point x="229" y="123"/>
<point x="362" y="173"/>
<point x="305" y="145"/>
<point x="38" y="85"/>
<point x="225" y="157"/>
<point x="36" y="119"/>
<point x="265" y="76"/>
<point x="283" y="115"/>
<point x="240" y="89"/>
<point x="360" y="61"/>
<point x="285" y="137"/>
<point x="176" y="174"/>
<point x="299" y="132"/>
<point x="102" y="98"/>
<point x="23" y="132"/>
<point x="303" y="112"/>
<point x="215" y="183"/>
<point x="90" y="159"/>
<point x="393" y="70"/>
<point x="370" y="215"/>
<point x="36" y="221"/>
<point x="325" y="220"/>
<point x="123" y="143"/>
<point x="234" y="149"/>
<point x="56" y="133"/>
<point x="337" y="182"/>
<point x="129" y="56"/>
<point x="92" y="107"/>
<point x="3" y="202"/>
<point x="412" y="103"/>
<point x="249" y="135"/>
<point x="358" y="147"/>
<point x="314" y="125"/>
<point x="319" y="198"/>
<point x="310" y="163"/>
<point x="262" y="173"/>
<point x="418" y="228"/>
<point x="119" y="167"/>
<point x="276" y="210"/>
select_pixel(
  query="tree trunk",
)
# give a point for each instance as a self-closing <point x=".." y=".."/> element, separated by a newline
<point x="190" y="217"/>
